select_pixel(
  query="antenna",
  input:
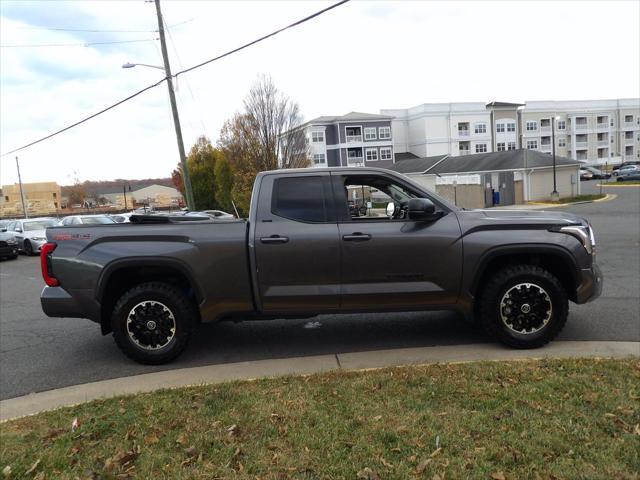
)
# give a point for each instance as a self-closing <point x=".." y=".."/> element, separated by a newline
<point x="236" y="210"/>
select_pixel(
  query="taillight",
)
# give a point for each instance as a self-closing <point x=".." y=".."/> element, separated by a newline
<point x="45" y="264"/>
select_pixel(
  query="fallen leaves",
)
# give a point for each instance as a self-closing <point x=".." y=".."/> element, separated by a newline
<point x="33" y="467"/>
<point x="498" y="476"/>
<point x="367" y="474"/>
<point x="121" y="460"/>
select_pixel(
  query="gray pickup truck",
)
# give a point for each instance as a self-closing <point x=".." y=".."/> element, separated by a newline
<point x="303" y="251"/>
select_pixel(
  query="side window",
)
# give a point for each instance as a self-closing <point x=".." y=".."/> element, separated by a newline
<point x="367" y="198"/>
<point x="11" y="227"/>
<point x="300" y="198"/>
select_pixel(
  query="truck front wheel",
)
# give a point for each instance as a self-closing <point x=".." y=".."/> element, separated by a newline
<point x="523" y="306"/>
<point x="152" y="322"/>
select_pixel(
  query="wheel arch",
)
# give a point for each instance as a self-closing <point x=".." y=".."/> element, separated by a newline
<point x="120" y="275"/>
<point x="557" y="260"/>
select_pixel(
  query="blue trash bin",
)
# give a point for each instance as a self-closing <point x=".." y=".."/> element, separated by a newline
<point x="496" y="198"/>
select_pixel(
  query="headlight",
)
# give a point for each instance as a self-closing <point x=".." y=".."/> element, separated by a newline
<point x="39" y="239"/>
<point x="582" y="233"/>
<point x="11" y="241"/>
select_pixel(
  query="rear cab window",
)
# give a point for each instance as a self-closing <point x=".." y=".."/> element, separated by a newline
<point x="303" y="199"/>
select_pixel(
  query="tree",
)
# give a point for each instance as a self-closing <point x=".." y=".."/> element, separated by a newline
<point x="77" y="193"/>
<point x="224" y="184"/>
<point x="253" y="140"/>
<point x="201" y="163"/>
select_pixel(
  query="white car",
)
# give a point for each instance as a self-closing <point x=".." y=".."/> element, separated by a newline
<point x="216" y="214"/>
<point x="31" y="233"/>
<point x="86" y="220"/>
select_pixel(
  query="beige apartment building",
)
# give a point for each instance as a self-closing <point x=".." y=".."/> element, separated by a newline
<point x="41" y="198"/>
<point x="593" y="131"/>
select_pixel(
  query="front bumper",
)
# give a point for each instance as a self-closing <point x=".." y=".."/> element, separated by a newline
<point x="57" y="302"/>
<point x="9" y="251"/>
<point x="591" y="286"/>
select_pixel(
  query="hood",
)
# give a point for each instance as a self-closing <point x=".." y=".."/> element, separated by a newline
<point x="500" y="219"/>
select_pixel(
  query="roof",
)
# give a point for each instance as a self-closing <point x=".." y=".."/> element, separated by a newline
<point x="416" y="164"/>
<point x="404" y="156"/>
<point x="504" y="104"/>
<point x="482" y="162"/>
<point x="349" y="117"/>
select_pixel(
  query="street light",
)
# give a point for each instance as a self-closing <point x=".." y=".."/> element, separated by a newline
<point x="131" y="65"/>
<point x="555" y="196"/>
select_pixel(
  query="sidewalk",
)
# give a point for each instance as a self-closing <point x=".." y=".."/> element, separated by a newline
<point x="546" y="206"/>
<point x="52" y="399"/>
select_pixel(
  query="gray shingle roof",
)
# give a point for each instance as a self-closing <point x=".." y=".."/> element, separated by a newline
<point x="349" y="116"/>
<point x="482" y="162"/>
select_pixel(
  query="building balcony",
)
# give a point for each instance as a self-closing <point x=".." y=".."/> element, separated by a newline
<point x="463" y="133"/>
<point x="581" y="144"/>
<point x="603" y="143"/>
<point x="545" y="147"/>
<point x="628" y="140"/>
<point x="545" y="129"/>
<point x="354" y="138"/>
<point x="580" y="126"/>
<point x="629" y="125"/>
<point x="602" y="126"/>
<point x="465" y="151"/>
<point x="355" y="160"/>
<point x="629" y="158"/>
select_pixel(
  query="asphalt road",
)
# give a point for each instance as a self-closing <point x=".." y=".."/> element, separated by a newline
<point x="39" y="353"/>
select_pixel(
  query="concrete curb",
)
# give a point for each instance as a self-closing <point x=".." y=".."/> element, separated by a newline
<point x="608" y="197"/>
<point x="609" y="185"/>
<point x="53" y="399"/>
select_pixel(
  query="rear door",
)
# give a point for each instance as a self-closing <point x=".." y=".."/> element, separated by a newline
<point x="296" y="244"/>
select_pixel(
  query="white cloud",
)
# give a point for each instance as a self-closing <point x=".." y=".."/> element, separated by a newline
<point x="361" y="56"/>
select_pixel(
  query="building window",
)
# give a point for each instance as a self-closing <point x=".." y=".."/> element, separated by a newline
<point x="500" y="127"/>
<point x="318" y="158"/>
<point x="384" y="133"/>
<point x="562" y="142"/>
<point x="561" y="125"/>
<point x="511" y="146"/>
<point x="501" y="147"/>
<point x="531" y="126"/>
<point x="54" y="194"/>
<point x="317" y="137"/>
<point x="532" y="144"/>
<point x="511" y="127"/>
<point x="481" y="128"/>
<point x="370" y="133"/>
<point x="481" y="148"/>
<point x="371" y="154"/>
<point x="385" y="153"/>
<point x="628" y="118"/>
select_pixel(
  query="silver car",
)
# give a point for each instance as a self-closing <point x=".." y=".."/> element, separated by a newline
<point x="86" y="220"/>
<point x="30" y="233"/>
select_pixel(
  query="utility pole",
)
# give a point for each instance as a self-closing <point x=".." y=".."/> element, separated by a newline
<point x="554" y="195"/>
<point x="174" y="109"/>
<point x="24" y="207"/>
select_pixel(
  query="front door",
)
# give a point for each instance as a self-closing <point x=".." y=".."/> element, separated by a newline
<point x="297" y="248"/>
<point x="396" y="262"/>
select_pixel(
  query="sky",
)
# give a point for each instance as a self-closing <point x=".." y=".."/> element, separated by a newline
<point x="362" y="56"/>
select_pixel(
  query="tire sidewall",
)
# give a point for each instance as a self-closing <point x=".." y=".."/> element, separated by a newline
<point x="183" y="317"/>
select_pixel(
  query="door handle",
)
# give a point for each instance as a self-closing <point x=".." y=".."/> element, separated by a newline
<point x="356" y="237"/>
<point x="274" y="239"/>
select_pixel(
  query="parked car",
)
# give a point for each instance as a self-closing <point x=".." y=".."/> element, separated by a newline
<point x="585" y="174"/>
<point x="121" y="217"/>
<point x="627" y="169"/>
<point x="628" y="177"/>
<point x="616" y="169"/>
<point x="301" y="253"/>
<point x="8" y="245"/>
<point x="596" y="173"/>
<point x="215" y="214"/>
<point x="30" y="233"/>
<point x="87" y="220"/>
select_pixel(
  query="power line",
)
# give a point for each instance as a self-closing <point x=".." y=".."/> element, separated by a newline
<point x="272" y="34"/>
<point x="299" y="22"/>
<point x="84" y="30"/>
<point x="87" y="118"/>
<point x="76" y="44"/>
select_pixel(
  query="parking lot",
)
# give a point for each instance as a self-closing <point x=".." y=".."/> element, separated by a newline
<point x="39" y="353"/>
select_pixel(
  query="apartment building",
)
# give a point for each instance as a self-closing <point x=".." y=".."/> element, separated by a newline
<point x="354" y="139"/>
<point x="442" y="129"/>
<point x="40" y="199"/>
<point x="593" y="131"/>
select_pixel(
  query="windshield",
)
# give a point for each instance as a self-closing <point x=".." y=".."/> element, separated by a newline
<point x="38" y="225"/>
<point x="97" y="220"/>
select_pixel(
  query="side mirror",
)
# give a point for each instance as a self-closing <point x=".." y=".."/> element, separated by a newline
<point x="423" y="209"/>
<point x="18" y="230"/>
<point x="391" y="209"/>
<point x="3" y="230"/>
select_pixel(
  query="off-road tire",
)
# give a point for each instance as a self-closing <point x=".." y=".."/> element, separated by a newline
<point x="184" y="314"/>
<point x="500" y="283"/>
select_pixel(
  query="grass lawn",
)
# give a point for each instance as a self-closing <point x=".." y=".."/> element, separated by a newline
<point x="578" y="198"/>
<point x="630" y="182"/>
<point x="546" y="419"/>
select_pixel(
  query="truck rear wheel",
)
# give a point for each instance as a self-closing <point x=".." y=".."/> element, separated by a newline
<point x="523" y="306"/>
<point x="152" y="322"/>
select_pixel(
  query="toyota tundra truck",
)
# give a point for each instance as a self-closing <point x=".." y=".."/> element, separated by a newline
<point x="303" y="251"/>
